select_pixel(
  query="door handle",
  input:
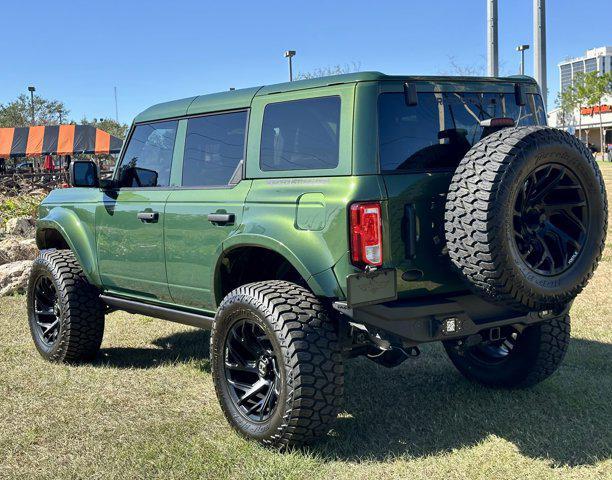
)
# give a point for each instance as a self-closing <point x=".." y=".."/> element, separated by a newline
<point x="221" y="218"/>
<point x="148" y="217"/>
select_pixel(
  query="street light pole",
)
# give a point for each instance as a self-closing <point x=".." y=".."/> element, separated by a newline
<point x="32" y="89"/>
<point x="290" y="54"/>
<point x="492" y="51"/>
<point x="522" y="48"/>
<point x="539" y="45"/>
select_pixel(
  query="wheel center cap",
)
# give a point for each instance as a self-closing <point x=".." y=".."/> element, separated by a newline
<point x="263" y="366"/>
<point x="534" y="218"/>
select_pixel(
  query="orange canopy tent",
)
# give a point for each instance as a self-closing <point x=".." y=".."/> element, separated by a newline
<point x="56" y="140"/>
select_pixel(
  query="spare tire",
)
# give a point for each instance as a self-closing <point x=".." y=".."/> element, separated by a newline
<point x="526" y="217"/>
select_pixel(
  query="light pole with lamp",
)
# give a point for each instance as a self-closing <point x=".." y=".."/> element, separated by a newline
<point x="290" y="54"/>
<point x="32" y="89"/>
<point x="522" y="48"/>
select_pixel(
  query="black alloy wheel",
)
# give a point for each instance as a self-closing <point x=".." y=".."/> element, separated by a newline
<point x="551" y="219"/>
<point x="521" y="357"/>
<point x="252" y="371"/>
<point x="47" y="312"/>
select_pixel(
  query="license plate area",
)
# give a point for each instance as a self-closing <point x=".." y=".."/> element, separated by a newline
<point x="368" y="288"/>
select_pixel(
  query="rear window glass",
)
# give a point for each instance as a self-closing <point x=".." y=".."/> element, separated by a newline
<point x="301" y="135"/>
<point x="439" y="131"/>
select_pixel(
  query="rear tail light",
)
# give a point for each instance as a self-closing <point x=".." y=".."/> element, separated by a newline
<point x="366" y="234"/>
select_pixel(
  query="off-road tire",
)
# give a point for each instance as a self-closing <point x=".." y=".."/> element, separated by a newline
<point x="305" y="340"/>
<point x="538" y="352"/>
<point x="81" y="319"/>
<point x="479" y="217"/>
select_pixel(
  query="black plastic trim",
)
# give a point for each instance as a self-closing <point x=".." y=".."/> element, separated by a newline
<point x="156" y="311"/>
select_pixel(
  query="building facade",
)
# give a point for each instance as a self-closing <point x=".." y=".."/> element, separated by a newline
<point x="585" y="122"/>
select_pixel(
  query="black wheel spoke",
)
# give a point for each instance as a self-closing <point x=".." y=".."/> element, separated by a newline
<point x="561" y="234"/>
<point x="46" y="311"/>
<point x="551" y="180"/>
<point x="546" y="255"/>
<point x="265" y="402"/>
<point x="241" y="368"/>
<point x="257" y="387"/>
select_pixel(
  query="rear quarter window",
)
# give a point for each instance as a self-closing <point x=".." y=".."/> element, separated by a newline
<point x="301" y="135"/>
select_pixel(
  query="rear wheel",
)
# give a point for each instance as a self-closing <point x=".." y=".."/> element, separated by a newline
<point x="276" y="364"/>
<point x="65" y="314"/>
<point x="518" y="359"/>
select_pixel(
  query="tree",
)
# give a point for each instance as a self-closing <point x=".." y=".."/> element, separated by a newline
<point x="18" y="113"/>
<point x="108" y="125"/>
<point x="567" y="102"/>
<point x="473" y="70"/>
<point x="596" y="87"/>
<point x="580" y="95"/>
<point x="330" y="70"/>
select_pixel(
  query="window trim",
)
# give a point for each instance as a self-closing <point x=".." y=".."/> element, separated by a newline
<point x="244" y="159"/>
<point x="115" y="177"/>
<point x="302" y="170"/>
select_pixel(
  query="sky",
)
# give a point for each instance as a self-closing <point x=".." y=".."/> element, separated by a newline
<point x="154" y="51"/>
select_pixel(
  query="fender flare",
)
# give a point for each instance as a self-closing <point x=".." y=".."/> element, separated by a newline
<point x="322" y="283"/>
<point x="77" y="235"/>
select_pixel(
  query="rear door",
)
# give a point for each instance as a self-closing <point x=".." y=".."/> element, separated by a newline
<point x="130" y="220"/>
<point x="207" y="205"/>
<point x="419" y="148"/>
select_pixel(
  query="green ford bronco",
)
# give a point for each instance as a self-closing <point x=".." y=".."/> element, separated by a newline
<point x="310" y="222"/>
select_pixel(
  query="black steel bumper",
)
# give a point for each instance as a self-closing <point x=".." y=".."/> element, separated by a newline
<point x="433" y="319"/>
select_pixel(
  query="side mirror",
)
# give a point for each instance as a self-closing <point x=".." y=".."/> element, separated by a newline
<point x="138" y="177"/>
<point x="84" y="174"/>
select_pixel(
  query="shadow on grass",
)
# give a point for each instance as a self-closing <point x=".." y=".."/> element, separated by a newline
<point x="420" y="410"/>
<point x="425" y="407"/>
<point x="181" y="347"/>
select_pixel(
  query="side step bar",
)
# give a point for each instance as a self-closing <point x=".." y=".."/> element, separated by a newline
<point x="178" y="316"/>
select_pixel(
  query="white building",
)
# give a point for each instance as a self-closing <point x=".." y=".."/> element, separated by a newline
<point x="585" y="123"/>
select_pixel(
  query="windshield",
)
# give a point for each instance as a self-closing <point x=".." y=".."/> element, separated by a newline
<point x="439" y="131"/>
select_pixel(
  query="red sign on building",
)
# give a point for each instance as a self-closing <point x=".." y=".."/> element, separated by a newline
<point x="595" y="109"/>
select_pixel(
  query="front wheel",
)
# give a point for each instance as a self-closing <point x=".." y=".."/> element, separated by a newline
<point x="65" y="313"/>
<point x="276" y="364"/>
<point x="517" y="359"/>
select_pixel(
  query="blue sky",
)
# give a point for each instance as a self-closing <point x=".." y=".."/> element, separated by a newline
<point x="154" y="51"/>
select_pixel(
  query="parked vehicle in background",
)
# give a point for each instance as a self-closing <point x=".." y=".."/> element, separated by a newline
<point x="24" y="167"/>
<point x="314" y="221"/>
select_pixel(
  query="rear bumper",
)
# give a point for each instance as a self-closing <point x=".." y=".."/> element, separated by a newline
<point x="434" y="319"/>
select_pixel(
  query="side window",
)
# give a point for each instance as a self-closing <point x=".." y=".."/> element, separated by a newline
<point x="148" y="156"/>
<point x="301" y="135"/>
<point x="214" y="149"/>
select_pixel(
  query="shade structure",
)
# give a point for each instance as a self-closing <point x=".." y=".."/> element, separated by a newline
<point x="56" y="140"/>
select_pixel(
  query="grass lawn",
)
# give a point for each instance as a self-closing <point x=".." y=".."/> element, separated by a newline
<point x="147" y="409"/>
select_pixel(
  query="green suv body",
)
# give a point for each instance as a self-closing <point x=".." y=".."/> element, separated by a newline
<point x="335" y="197"/>
<point x="299" y="213"/>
